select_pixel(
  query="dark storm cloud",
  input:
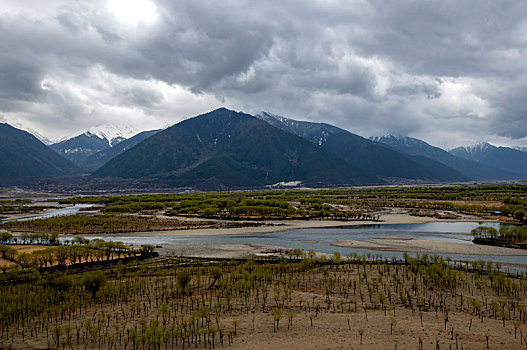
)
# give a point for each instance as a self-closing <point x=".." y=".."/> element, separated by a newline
<point x="423" y="68"/>
<point x="447" y="38"/>
<point x="431" y="91"/>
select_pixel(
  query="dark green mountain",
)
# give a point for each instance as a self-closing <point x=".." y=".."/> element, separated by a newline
<point x="79" y="148"/>
<point x="368" y="155"/>
<point x="95" y="161"/>
<point x="504" y="158"/>
<point x="224" y="149"/>
<point x="470" y="168"/>
<point x="23" y="158"/>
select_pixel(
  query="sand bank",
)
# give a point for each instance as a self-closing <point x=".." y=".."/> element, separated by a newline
<point x="220" y="251"/>
<point x="427" y="246"/>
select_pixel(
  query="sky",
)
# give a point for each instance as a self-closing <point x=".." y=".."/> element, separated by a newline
<point x="449" y="72"/>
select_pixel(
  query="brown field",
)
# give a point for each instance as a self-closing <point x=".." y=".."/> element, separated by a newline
<point x="97" y="254"/>
<point x="4" y="262"/>
<point x="317" y="307"/>
<point x="29" y="248"/>
<point x="21" y="249"/>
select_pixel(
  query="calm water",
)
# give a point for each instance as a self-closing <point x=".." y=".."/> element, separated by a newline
<point x="320" y="239"/>
<point x="58" y="212"/>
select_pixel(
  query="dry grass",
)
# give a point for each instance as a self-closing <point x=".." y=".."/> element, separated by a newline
<point x="4" y="262"/>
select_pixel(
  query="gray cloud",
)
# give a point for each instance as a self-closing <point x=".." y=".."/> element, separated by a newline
<point x="446" y="71"/>
<point x="431" y="91"/>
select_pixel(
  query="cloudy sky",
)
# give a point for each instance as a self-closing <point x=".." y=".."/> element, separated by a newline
<point x="449" y="72"/>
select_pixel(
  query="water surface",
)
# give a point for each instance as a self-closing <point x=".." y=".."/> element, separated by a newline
<point x="57" y="212"/>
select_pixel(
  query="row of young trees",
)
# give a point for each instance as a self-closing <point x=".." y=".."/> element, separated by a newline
<point x="77" y="251"/>
<point x="515" y="234"/>
<point x="182" y="304"/>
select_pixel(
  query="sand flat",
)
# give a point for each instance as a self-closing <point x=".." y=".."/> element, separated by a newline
<point x="428" y="247"/>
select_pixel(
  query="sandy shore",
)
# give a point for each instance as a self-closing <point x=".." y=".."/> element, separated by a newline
<point x="427" y="246"/>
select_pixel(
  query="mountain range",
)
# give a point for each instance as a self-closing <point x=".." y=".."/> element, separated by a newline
<point x="224" y="149"/>
<point x="97" y="160"/>
<point x="469" y="168"/>
<point x="91" y="148"/>
<point x="374" y="157"/>
<point x="504" y="158"/>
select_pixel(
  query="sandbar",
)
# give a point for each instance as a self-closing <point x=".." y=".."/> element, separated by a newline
<point x="428" y="247"/>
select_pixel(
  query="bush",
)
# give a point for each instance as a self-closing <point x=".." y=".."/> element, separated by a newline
<point x="93" y="281"/>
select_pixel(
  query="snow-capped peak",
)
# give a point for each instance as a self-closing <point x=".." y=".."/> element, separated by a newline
<point x="269" y="118"/>
<point x="482" y="146"/>
<point x="112" y="132"/>
<point x="390" y="137"/>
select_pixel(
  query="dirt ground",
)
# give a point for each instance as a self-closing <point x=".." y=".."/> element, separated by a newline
<point x="331" y="331"/>
<point x="4" y="262"/>
<point x="21" y="249"/>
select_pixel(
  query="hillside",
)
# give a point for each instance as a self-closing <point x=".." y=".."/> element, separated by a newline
<point x="471" y="169"/>
<point x="23" y="157"/>
<point x="95" y="161"/>
<point x="366" y="154"/>
<point x="504" y="158"/>
<point x="79" y="148"/>
<point x="82" y="147"/>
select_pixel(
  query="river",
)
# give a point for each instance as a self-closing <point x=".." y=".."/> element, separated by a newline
<point x="321" y="239"/>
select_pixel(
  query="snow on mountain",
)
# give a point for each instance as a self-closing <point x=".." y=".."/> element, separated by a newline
<point x="505" y="158"/>
<point x="479" y="147"/>
<point x="112" y="132"/>
<point x="39" y="137"/>
<point x="318" y="133"/>
<point x="474" y="152"/>
<point x="400" y="140"/>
